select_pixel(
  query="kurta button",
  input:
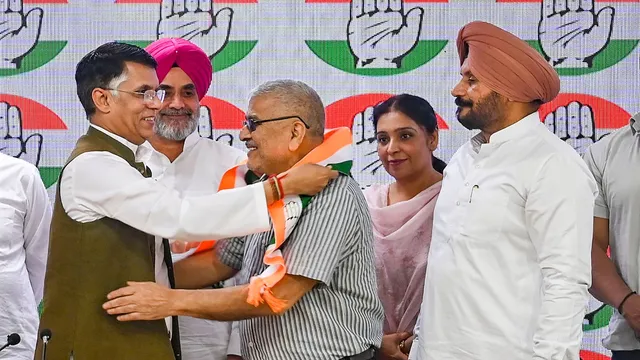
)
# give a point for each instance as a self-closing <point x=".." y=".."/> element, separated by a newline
<point x="458" y="203"/>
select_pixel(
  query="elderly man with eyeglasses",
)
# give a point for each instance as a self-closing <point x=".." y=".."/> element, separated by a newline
<point x="308" y="284"/>
<point x="108" y="211"/>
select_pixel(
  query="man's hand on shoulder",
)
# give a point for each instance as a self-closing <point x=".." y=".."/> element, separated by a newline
<point x="308" y="179"/>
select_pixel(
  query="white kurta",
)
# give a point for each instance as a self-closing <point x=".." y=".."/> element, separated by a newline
<point x="510" y="259"/>
<point x="25" y="218"/>
<point x="198" y="168"/>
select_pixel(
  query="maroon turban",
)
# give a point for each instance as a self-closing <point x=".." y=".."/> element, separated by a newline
<point x="189" y="57"/>
<point x="506" y="64"/>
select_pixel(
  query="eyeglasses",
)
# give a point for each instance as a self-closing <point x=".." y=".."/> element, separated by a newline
<point x="251" y="124"/>
<point x="147" y="95"/>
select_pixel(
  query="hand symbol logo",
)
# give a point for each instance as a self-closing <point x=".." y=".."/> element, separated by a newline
<point x="19" y="32"/>
<point x="205" y="123"/>
<point x="574" y="124"/>
<point x="195" y="21"/>
<point x="12" y="140"/>
<point x="571" y="33"/>
<point x="367" y="167"/>
<point x="207" y="130"/>
<point x="380" y="34"/>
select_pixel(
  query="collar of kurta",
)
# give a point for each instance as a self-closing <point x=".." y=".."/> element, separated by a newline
<point x="120" y="147"/>
<point x="191" y="140"/>
<point x="133" y="147"/>
<point x="512" y="132"/>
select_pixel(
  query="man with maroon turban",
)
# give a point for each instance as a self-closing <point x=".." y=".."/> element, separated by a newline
<point x="509" y="264"/>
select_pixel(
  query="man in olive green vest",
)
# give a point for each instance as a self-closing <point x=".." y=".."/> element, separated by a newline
<point x="108" y="210"/>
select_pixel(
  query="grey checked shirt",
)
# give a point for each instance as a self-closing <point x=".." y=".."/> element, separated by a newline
<point x="333" y="244"/>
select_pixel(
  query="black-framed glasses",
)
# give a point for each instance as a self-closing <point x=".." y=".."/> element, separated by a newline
<point x="251" y="124"/>
<point x="147" y="95"/>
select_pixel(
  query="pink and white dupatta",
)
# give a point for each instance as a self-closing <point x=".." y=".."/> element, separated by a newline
<point x="402" y="236"/>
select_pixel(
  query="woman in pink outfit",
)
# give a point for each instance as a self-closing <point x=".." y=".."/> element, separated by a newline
<point x="402" y="213"/>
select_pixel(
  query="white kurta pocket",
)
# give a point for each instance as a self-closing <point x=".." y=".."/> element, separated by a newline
<point x="485" y="214"/>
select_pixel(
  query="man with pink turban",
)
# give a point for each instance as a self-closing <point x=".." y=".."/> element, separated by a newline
<point x="181" y="159"/>
<point x="509" y="264"/>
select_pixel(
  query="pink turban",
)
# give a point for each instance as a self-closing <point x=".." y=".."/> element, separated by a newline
<point x="189" y="57"/>
<point x="506" y="64"/>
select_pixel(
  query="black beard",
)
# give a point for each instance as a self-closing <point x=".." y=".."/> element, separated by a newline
<point x="480" y="114"/>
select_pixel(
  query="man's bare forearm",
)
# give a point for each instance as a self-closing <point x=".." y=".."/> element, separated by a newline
<point x="607" y="284"/>
<point x="230" y="304"/>
<point x="226" y="304"/>
<point x="201" y="270"/>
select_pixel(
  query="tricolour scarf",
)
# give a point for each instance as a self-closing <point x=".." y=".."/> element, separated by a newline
<point x="335" y="152"/>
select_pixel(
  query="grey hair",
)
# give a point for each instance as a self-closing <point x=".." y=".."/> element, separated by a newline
<point x="116" y="81"/>
<point x="297" y="95"/>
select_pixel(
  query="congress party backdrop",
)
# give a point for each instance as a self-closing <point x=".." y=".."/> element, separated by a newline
<point x="354" y="53"/>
